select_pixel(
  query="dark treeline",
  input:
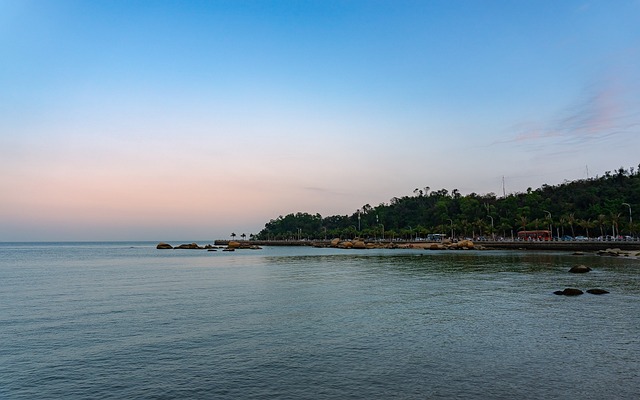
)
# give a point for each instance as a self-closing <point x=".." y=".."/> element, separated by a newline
<point x="592" y="207"/>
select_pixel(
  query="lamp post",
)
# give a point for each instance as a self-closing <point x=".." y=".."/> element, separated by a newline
<point x="450" y="220"/>
<point x="550" y="222"/>
<point x="630" y="219"/>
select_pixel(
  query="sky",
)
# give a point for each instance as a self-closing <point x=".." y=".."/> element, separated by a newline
<point x="180" y="120"/>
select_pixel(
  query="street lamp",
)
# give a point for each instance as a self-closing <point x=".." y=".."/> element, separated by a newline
<point x="450" y="220"/>
<point x="630" y="219"/>
<point x="550" y="222"/>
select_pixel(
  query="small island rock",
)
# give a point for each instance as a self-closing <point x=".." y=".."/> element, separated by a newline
<point x="579" y="269"/>
<point x="163" y="245"/>
<point x="568" y="292"/>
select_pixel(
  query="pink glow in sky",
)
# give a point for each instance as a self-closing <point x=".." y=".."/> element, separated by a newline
<point x="192" y="120"/>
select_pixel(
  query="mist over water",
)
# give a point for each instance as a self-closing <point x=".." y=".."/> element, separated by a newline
<point x="124" y="320"/>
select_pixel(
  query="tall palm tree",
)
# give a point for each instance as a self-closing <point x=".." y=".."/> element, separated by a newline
<point x="602" y="220"/>
<point x="233" y="235"/>
<point x="585" y="224"/>
<point x="563" y="223"/>
<point x="243" y="236"/>
<point x="615" y="219"/>
<point x="572" y="220"/>
<point x="523" y="222"/>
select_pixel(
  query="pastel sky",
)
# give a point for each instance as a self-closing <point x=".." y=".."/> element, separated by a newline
<point x="180" y="120"/>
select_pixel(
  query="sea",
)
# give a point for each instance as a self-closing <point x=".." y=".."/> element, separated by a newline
<point x="123" y="320"/>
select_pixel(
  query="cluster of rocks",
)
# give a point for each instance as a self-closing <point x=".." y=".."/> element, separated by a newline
<point x="579" y="269"/>
<point x="361" y="244"/>
<point x="615" y="252"/>
<point x="578" y="292"/>
<point x="242" y="245"/>
<point x="195" y="246"/>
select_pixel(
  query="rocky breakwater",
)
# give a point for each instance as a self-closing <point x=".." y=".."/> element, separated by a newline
<point x="358" y="243"/>
<point x="189" y="246"/>
<point x="616" y="252"/>
<point x="231" y="246"/>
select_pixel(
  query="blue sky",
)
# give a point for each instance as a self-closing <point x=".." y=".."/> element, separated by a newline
<point x="166" y="120"/>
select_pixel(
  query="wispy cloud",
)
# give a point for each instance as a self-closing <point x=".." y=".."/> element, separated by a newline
<point x="602" y="113"/>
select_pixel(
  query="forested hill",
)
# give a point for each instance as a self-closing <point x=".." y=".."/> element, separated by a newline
<point x="592" y="207"/>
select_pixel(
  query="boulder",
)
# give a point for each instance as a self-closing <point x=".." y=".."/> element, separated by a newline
<point x="163" y="245"/>
<point x="335" y="242"/>
<point x="579" y="269"/>
<point x="359" y="244"/>
<point x="568" y="292"/>
<point x="597" y="291"/>
<point x="233" y="244"/>
<point x="189" y="246"/>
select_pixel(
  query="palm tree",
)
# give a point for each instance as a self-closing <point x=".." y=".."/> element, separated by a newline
<point x="585" y="224"/>
<point x="615" y="219"/>
<point x="536" y="223"/>
<point x="563" y="223"/>
<point x="572" y="220"/>
<point x="523" y="222"/>
<point x="233" y="235"/>
<point x="243" y="236"/>
<point x="602" y="220"/>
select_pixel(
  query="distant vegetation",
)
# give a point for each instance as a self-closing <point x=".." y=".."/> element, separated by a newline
<point x="592" y="207"/>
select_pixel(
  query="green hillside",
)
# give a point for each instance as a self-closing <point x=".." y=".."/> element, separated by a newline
<point x="592" y="207"/>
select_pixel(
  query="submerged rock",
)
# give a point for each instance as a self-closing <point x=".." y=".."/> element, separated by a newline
<point x="597" y="291"/>
<point x="569" y="292"/>
<point x="579" y="269"/>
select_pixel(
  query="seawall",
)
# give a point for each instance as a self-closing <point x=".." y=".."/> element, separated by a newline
<point x="588" y="245"/>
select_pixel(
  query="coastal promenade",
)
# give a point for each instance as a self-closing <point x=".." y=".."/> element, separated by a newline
<point x="586" y="245"/>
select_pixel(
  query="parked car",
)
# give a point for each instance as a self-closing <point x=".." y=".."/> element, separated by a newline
<point x="581" y="238"/>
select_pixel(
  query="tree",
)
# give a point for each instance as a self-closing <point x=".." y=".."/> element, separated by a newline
<point x="243" y="236"/>
<point x="585" y="224"/>
<point x="233" y="235"/>
<point x="574" y="202"/>
<point x="602" y="220"/>
<point x="523" y="222"/>
<point x="572" y="220"/>
<point x="615" y="220"/>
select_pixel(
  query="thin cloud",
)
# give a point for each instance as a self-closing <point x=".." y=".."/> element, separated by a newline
<point x="602" y="114"/>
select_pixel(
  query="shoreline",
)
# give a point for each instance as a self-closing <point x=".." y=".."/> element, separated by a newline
<point x="486" y="245"/>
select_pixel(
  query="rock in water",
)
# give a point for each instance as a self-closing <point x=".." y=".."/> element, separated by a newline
<point x="597" y="291"/>
<point x="579" y="269"/>
<point x="163" y="245"/>
<point x="568" y="292"/>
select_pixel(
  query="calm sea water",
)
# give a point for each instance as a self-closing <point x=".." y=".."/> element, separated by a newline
<point x="124" y="320"/>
